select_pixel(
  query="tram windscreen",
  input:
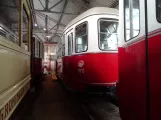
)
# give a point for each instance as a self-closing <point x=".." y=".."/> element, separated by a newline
<point x="108" y="37"/>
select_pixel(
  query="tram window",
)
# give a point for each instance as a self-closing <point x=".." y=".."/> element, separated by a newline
<point x="9" y="19"/>
<point x="131" y="18"/>
<point x="70" y="43"/>
<point x="158" y="10"/>
<point x="81" y="38"/>
<point x="108" y="37"/>
<point x="25" y="28"/>
<point x="2" y="33"/>
<point x="12" y="38"/>
<point x="63" y="50"/>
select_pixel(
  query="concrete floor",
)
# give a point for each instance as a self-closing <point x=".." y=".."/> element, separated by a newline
<point x="52" y="103"/>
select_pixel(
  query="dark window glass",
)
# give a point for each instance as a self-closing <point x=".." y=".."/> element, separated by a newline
<point x="25" y="31"/>
<point x="2" y="33"/>
<point x="70" y="43"/>
<point x="9" y="19"/>
<point x="81" y="38"/>
<point x="108" y="37"/>
<point x="132" y="16"/>
<point x="12" y="38"/>
<point x="158" y="10"/>
<point x="63" y="50"/>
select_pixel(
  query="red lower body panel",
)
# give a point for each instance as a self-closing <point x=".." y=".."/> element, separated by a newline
<point x="81" y="71"/>
<point x="134" y="95"/>
<point x="154" y="56"/>
<point x="131" y="88"/>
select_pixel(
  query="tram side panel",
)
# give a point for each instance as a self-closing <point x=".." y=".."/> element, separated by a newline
<point x="154" y="58"/>
<point x="131" y="87"/>
<point x="60" y="68"/>
<point x="14" y="62"/>
<point x="36" y="61"/>
<point x="95" y="70"/>
<point x="15" y="65"/>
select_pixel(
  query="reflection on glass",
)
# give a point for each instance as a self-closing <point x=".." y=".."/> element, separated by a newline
<point x="70" y="42"/>
<point x="132" y="25"/>
<point x="25" y="30"/>
<point x="108" y="35"/>
<point x="158" y="10"/>
<point x="81" y="38"/>
<point x="9" y="20"/>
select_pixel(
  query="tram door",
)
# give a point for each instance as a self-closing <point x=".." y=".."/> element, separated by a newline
<point x="69" y="51"/>
<point x="131" y="87"/>
<point x="154" y="58"/>
<point x="140" y="60"/>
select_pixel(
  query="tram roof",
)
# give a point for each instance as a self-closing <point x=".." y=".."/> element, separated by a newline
<point x="93" y="11"/>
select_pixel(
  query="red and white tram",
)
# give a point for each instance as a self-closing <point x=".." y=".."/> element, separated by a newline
<point x="140" y="60"/>
<point x="88" y="56"/>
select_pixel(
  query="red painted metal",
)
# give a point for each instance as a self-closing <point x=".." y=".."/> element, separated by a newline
<point x="90" y="69"/>
<point x="154" y="56"/>
<point x="131" y="88"/>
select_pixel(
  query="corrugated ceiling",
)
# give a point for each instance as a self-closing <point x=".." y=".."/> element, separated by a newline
<point x="51" y="16"/>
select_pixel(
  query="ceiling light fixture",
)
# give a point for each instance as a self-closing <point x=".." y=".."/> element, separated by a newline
<point x="35" y="25"/>
<point x="48" y="36"/>
<point x="45" y="29"/>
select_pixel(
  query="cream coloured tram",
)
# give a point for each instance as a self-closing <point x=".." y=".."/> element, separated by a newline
<point x="14" y="56"/>
<point x="88" y="51"/>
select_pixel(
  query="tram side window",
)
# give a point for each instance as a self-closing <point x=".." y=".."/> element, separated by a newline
<point x="63" y="50"/>
<point x="12" y="38"/>
<point x="25" y="29"/>
<point x="132" y="18"/>
<point x="9" y="20"/>
<point x="2" y="33"/>
<point x="81" y="38"/>
<point x="70" y="43"/>
<point x="108" y="37"/>
<point x="158" y="10"/>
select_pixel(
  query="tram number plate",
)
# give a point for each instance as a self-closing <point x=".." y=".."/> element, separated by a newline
<point x="80" y="70"/>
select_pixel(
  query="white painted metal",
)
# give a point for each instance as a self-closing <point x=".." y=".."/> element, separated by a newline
<point x="91" y="16"/>
<point x="122" y="41"/>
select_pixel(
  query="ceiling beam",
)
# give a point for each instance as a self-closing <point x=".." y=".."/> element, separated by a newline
<point x="41" y="4"/>
<point x="55" y="4"/>
<point x="46" y="23"/>
<point x="53" y="27"/>
<point x="46" y="4"/>
<point x="50" y="18"/>
<point x="64" y="7"/>
<point x="55" y="12"/>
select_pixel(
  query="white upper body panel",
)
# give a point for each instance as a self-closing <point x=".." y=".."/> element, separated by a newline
<point x="153" y="23"/>
<point x="91" y="17"/>
<point x="93" y="11"/>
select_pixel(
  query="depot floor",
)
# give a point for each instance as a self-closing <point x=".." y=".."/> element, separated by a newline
<point x="52" y="101"/>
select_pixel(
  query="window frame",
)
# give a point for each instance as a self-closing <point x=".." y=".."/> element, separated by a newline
<point x="156" y="3"/>
<point x="125" y="23"/>
<point x="98" y="24"/>
<point x="85" y="22"/>
<point x="71" y="43"/>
